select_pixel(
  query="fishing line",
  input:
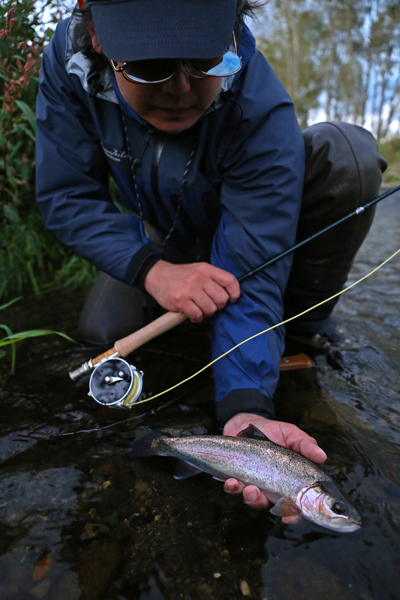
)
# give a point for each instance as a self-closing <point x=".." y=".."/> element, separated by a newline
<point x="267" y="330"/>
<point x="231" y="350"/>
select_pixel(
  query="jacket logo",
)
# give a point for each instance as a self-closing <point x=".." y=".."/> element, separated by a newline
<point x="116" y="155"/>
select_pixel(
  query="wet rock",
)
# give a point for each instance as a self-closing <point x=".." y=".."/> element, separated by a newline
<point x="99" y="564"/>
<point x="41" y="589"/>
<point x="244" y="588"/>
<point x="110" y="467"/>
<point x="304" y="579"/>
<point x="67" y="587"/>
<point x="204" y="592"/>
<point x="94" y="529"/>
<point x="42" y="567"/>
<point x="141" y="486"/>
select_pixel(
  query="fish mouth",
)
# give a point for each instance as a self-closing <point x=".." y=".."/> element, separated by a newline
<point x="342" y="525"/>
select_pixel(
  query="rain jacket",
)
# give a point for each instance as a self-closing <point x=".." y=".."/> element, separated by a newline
<point x="243" y="192"/>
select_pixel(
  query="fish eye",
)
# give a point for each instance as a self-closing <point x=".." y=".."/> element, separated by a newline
<point x="339" y="508"/>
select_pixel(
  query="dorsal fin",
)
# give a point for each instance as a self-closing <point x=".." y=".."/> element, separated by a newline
<point x="253" y="432"/>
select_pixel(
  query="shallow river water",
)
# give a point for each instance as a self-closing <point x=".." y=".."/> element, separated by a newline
<point x="80" y="520"/>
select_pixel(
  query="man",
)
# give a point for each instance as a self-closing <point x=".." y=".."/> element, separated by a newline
<point x="172" y="99"/>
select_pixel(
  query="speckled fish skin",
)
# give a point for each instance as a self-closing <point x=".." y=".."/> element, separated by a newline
<point x="299" y="482"/>
<point x="253" y="462"/>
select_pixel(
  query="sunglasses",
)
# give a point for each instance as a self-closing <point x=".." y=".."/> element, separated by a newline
<point x="161" y="70"/>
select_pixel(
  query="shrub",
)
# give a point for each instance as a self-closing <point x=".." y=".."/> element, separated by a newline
<point x="29" y="253"/>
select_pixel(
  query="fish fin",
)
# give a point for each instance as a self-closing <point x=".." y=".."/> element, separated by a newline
<point x="183" y="470"/>
<point x="142" y="446"/>
<point x="285" y="508"/>
<point x="252" y="431"/>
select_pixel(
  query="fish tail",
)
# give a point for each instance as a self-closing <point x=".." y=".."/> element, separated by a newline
<point x="146" y="445"/>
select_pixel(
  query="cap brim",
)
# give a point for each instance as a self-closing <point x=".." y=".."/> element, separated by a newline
<point x="145" y="29"/>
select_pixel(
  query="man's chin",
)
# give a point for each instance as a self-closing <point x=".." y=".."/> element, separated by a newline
<point x="174" y="122"/>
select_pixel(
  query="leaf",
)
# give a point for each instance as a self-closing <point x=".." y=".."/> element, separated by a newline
<point x="7" y="330"/>
<point x="17" y="337"/>
<point x="28" y="113"/>
<point x="11" y="213"/>
<point x="32" y="278"/>
<point x="13" y="349"/>
<point x="9" y="303"/>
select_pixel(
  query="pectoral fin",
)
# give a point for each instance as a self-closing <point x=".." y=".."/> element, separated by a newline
<point x="285" y="508"/>
<point x="183" y="470"/>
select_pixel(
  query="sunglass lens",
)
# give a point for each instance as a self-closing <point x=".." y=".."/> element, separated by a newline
<point x="229" y="64"/>
<point x="150" y="70"/>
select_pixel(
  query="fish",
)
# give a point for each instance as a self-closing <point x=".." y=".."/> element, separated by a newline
<point x="299" y="486"/>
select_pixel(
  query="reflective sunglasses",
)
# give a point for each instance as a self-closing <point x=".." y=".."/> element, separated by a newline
<point x="161" y="70"/>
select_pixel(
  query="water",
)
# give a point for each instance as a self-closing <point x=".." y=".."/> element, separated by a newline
<point x="79" y="520"/>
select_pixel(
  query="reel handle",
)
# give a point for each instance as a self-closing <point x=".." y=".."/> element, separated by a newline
<point x="164" y="323"/>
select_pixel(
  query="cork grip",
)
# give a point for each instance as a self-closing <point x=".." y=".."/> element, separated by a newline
<point x="107" y="354"/>
<point x="164" y="323"/>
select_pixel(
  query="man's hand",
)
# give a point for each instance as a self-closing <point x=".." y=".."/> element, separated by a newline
<point x="197" y="290"/>
<point x="284" y="434"/>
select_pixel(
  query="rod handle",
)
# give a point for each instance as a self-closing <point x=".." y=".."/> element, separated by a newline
<point x="164" y="323"/>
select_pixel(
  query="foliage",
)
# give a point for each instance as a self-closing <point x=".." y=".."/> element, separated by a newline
<point x="29" y="253"/>
<point x="390" y="150"/>
<point x="339" y="59"/>
<point x="14" y="338"/>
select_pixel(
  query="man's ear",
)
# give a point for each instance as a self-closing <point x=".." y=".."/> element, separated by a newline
<point x="95" y="41"/>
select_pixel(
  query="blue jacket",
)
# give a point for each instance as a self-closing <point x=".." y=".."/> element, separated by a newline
<point x="243" y="192"/>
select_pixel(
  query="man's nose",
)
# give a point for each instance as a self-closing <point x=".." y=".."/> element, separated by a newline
<point x="179" y="84"/>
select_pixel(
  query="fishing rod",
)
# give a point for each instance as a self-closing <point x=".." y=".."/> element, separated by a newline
<point x="114" y="382"/>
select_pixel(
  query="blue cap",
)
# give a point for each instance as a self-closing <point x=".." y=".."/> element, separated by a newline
<point x="144" y="29"/>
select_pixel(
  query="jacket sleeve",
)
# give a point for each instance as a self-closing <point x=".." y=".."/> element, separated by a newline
<point x="72" y="175"/>
<point x="263" y="166"/>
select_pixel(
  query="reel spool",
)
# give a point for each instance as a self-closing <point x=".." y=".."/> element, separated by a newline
<point x="116" y="383"/>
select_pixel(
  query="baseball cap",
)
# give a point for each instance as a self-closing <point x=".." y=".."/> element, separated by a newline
<point x="129" y="30"/>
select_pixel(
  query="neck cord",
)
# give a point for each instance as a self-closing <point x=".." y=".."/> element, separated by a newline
<point x="137" y="162"/>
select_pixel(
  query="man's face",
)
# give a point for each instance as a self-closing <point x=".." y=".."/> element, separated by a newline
<point x="174" y="105"/>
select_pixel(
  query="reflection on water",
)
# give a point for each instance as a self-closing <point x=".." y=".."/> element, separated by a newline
<point x="79" y="520"/>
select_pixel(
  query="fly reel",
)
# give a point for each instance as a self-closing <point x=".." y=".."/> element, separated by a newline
<point x="116" y="383"/>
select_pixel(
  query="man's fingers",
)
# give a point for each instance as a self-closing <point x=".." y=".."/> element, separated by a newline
<point x="233" y="486"/>
<point x="205" y="304"/>
<point x="308" y="447"/>
<point x="254" y="498"/>
<point x="227" y="281"/>
<point x="304" y="444"/>
<point x="218" y="294"/>
<point x="251" y="494"/>
<point x="193" y="312"/>
<point x="179" y="287"/>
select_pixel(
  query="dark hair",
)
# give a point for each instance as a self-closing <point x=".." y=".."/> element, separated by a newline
<point x="246" y="8"/>
<point x="83" y="39"/>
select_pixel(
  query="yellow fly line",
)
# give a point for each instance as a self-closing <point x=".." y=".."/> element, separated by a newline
<point x="267" y="330"/>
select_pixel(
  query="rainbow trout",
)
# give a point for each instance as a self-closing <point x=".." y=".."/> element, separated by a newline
<point x="298" y="484"/>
